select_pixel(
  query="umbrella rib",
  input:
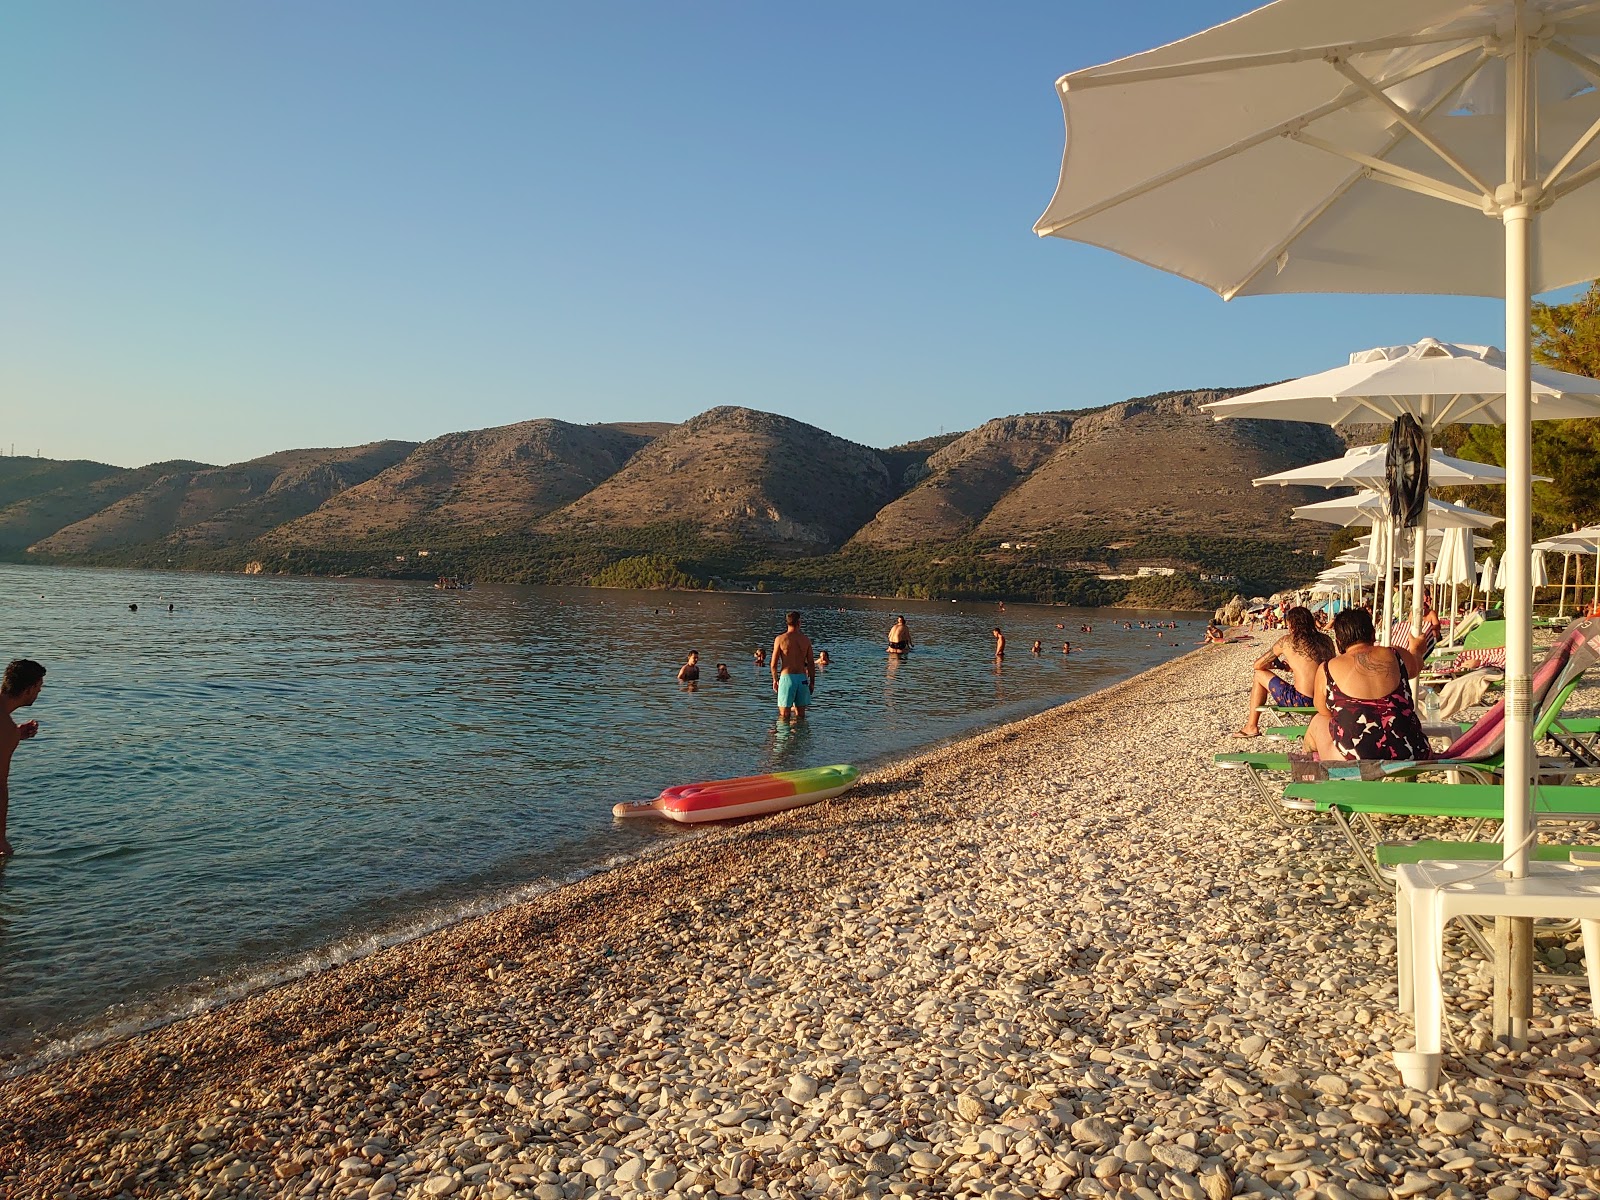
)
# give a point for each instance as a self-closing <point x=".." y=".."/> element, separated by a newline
<point x="1442" y="417"/>
<point x="1339" y="193"/>
<point x="1401" y="115"/>
<point x="1402" y="177"/>
<point x="1342" y="101"/>
<point x="1592" y="69"/>
<point x="1366" y="402"/>
<point x="1571" y="184"/>
<point x="1077" y="81"/>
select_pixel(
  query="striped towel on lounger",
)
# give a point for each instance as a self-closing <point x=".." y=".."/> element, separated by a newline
<point x="1473" y="660"/>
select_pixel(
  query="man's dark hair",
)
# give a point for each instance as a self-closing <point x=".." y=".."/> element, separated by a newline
<point x="21" y="674"/>
<point x="794" y="620"/>
<point x="1351" y="626"/>
<point x="1304" y="635"/>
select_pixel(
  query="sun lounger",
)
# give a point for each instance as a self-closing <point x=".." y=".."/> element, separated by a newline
<point x="1478" y="753"/>
<point x="1353" y="803"/>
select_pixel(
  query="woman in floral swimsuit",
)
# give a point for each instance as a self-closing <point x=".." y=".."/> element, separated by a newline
<point x="1363" y="697"/>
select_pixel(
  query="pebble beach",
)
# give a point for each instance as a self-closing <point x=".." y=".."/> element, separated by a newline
<point x="1067" y="957"/>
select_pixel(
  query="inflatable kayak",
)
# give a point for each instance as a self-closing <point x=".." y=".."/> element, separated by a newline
<point x="747" y="796"/>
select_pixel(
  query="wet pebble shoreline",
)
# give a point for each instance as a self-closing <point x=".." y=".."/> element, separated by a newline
<point x="1064" y="958"/>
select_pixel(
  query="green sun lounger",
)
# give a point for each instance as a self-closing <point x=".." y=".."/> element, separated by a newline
<point x="1353" y="803"/>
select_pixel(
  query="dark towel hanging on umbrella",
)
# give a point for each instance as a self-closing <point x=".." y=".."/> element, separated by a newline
<point x="1407" y="471"/>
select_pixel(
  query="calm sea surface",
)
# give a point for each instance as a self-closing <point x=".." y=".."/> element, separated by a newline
<point x="284" y="773"/>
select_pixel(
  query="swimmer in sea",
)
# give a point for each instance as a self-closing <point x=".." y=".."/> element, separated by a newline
<point x="690" y="671"/>
<point x="899" y="636"/>
<point x="722" y="673"/>
<point x="760" y="657"/>
<point x="1037" y="647"/>
<point x="999" y="643"/>
<point x="822" y="658"/>
<point x="1066" y="647"/>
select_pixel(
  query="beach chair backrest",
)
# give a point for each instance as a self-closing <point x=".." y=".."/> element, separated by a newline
<point x="1573" y="653"/>
<point x="1487" y="635"/>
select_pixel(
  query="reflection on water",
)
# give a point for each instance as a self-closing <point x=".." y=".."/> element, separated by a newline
<point x="277" y="765"/>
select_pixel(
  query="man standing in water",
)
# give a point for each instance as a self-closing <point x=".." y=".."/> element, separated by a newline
<point x="796" y="678"/>
<point x="18" y="689"/>
<point x="899" y="636"/>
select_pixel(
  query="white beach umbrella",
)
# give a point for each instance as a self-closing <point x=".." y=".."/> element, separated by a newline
<point x="1538" y="573"/>
<point x="1438" y="383"/>
<point x="1502" y="573"/>
<point x="1366" y="466"/>
<point x="1455" y="559"/>
<point x="1367" y="146"/>
<point x="1366" y="508"/>
<point x="1454" y="568"/>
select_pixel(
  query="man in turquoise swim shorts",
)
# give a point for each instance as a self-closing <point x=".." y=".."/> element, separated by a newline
<point x="794" y="670"/>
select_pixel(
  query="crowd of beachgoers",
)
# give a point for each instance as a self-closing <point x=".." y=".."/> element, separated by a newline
<point x="1064" y="957"/>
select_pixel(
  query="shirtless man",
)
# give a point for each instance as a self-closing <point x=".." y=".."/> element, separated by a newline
<point x="18" y="689"/>
<point x="796" y="678"/>
<point x="899" y="636"/>
<point x="690" y="671"/>
<point x="999" y="643"/>
<point x="1302" y="649"/>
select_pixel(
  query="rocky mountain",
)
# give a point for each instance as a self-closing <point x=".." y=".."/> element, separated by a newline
<point x="216" y="506"/>
<point x="738" y="474"/>
<point x="732" y="494"/>
<point x="965" y="479"/>
<point x="1162" y="464"/>
<point x="486" y="480"/>
<point x="46" y="500"/>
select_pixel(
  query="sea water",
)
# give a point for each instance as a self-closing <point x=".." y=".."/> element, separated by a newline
<point x="280" y="773"/>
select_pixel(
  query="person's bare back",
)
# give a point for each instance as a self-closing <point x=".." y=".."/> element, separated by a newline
<point x="792" y="658"/>
<point x="793" y="649"/>
<point x="1303" y="667"/>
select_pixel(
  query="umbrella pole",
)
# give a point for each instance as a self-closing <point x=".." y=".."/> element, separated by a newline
<point x="1561" y="609"/>
<point x="1388" y="582"/>
<point x="1514" y="936"/>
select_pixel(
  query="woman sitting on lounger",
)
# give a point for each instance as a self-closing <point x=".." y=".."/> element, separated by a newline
<point x="1363" y="697"/>
<point x="1300" y="651"/>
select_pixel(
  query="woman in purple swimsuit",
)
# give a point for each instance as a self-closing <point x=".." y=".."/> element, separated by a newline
<point x="1363" y="697"/>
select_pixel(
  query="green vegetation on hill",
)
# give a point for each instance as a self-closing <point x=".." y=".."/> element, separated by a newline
<point x="645" y="572"/>
<point x="1060" y="569"/>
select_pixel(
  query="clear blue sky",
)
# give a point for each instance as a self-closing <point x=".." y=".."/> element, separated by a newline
<point x="229" y="229"/>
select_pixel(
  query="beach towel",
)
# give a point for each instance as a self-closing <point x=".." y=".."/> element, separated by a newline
<point x="1573" y="653"/>
<point x="1476" y="660"/>
<point x="1465" y="691"/>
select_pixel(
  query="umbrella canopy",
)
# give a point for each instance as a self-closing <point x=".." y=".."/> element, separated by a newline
<point x="1364" y="146"/>
<point x="1486" y="574"/>
<point x="1439" y="383"/>
<point x="1538" y="573"/>
<point x="1363" y="466"/>
<point x="1367" y="508"/>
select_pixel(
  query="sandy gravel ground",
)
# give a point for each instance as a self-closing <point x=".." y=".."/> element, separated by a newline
<point x="1067" y="957"/>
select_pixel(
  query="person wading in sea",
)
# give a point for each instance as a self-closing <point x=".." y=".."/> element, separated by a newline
<point x="796" y="678"/>
<point x="18" y="689"/>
